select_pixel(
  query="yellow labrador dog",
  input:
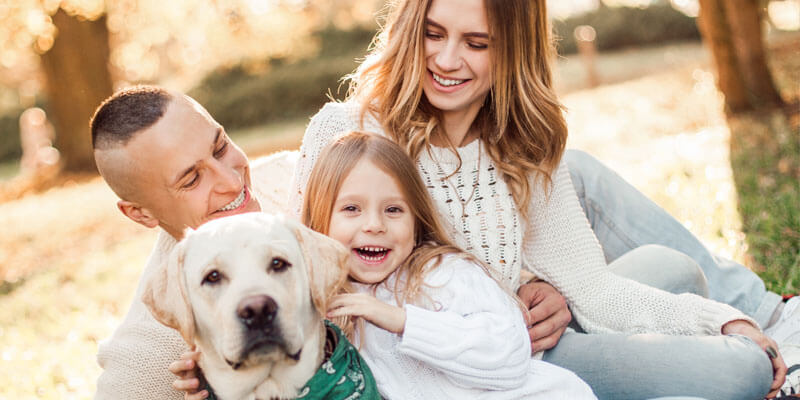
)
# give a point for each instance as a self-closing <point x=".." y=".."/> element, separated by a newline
<point x="246" y="289"/>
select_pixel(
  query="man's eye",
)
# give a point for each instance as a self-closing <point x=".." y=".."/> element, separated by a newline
<point x="191" y="182"/>
<point x="221" y="151"/>
<point x="278" y="264"/>
<point x="212" y="277"/>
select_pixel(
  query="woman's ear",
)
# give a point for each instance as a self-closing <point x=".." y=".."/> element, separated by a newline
<point x="137" y="213"/>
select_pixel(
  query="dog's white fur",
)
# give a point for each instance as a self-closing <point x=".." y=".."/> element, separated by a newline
<point x="241" y="248"/>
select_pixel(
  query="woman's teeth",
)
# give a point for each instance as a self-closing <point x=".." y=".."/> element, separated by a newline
<point x="448" y="82"/>
<point x="235" y="203"/>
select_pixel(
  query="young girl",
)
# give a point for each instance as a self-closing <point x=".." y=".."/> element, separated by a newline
<point x="427" y="334"/>
<point x="465" y="88"/>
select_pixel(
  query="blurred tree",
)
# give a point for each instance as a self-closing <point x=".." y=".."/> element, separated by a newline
<point x="78" y="79"/>
<point x="732" y="29"/>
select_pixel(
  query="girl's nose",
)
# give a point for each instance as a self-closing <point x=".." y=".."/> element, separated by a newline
<point x="374" y="224"/>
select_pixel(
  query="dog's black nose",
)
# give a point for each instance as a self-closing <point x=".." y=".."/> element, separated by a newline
<point x="257" y="311"/>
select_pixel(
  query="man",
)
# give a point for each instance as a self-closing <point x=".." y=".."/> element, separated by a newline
<point x="173" y="167"/>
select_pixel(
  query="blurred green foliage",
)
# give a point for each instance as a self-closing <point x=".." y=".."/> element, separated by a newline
<point x="286" y="90"/>
<point x="9" y="135"/>
<point x="619" y="27"/>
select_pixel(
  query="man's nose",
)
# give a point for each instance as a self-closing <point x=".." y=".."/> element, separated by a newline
<point x="228" y="179"/>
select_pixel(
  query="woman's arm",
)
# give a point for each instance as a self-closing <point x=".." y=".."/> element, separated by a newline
<point x="331" y="121"/>
<point x="561" y="248"/>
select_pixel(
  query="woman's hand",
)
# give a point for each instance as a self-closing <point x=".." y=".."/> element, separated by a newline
<point x="547" y="317"/>
<point x="382" y="315"/>
<point x="744" y="328"/>
<point x="188" y="376"/>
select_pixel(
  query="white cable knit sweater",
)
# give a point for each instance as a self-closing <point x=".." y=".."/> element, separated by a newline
<point x="556" y="242"/>
<point x="136" y="357"/>
<point x="461" y="346"/>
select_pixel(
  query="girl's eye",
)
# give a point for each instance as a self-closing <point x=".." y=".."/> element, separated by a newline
<point x="394" y="210"/>
<point x="221" y="151"/>
<point x="278" y="264"/>
<point x="350" y="208"/>
<point x="212" y="277"/>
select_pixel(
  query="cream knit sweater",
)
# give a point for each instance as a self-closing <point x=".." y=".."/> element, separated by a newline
<point x="556" y="242"/>
<point x="461" y="346"/>
<point x="136" y="357"/>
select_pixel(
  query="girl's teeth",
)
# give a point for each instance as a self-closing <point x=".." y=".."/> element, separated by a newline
<point x="235" y="203"/>
<point x="447" y="82"/>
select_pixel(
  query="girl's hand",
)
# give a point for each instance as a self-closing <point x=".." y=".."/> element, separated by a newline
<point x="382" y="315"/>
<point x="188" y="376"/>
<point x="744" y="328"/>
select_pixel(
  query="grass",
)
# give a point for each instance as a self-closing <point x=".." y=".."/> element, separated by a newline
<point x="70" y="262"/>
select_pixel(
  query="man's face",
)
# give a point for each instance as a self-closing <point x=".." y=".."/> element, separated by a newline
<point x="187" y="171"/>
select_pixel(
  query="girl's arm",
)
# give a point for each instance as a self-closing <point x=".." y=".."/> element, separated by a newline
<point x="477" y="338"/>
<point x="561" y="248"/>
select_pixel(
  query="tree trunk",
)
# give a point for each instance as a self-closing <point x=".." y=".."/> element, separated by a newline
<point x="78" y="79"/>
<point x="716" y="33"/>
<point x="748" y="45"/>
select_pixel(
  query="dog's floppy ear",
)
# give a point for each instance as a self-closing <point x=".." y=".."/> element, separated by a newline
<point x="326" y="260"/>
<point x="165" y="295"/>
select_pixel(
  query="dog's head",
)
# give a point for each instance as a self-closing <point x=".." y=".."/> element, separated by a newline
<point x="248" y="287"/>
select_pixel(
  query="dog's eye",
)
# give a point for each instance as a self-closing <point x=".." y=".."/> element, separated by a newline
<point x="278" y="264"/>
<point x="212" y="277"/>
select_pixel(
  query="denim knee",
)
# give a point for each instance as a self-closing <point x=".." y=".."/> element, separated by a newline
<point x="749" y="369"/>
<point x="662" y="267"/>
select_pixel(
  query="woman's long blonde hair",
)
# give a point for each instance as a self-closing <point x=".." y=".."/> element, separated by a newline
<point x="521" y="121"/>
<point x="431" y="242"/>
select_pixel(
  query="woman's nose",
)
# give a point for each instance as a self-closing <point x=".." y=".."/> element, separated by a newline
<point x="449" y="56"/>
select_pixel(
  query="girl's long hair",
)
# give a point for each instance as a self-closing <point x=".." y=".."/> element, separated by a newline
<point x="521" y="121"/>
<point x="431" y="242"/>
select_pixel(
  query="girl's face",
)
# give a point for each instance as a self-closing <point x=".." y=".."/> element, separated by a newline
<point x="373" y="220"/>
<point x="457" y="55"/>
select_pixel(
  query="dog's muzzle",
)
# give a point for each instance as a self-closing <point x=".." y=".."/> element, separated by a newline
<point x="257" y="312"/>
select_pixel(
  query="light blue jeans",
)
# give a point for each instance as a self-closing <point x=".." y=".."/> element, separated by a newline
<point x="643" y="366"/>
<point x="623" y="219"/>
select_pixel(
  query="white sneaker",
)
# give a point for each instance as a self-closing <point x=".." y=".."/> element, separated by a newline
<point x="787" y="329"/>
<point x="791" y="355"/>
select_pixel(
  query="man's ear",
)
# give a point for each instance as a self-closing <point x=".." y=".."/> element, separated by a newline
<point x="165" y="295"/>
<point x="137" y="213"/>
<point x="326" y="262"/>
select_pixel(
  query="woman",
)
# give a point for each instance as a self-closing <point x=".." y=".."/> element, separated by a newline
<point x="465" y="87"/>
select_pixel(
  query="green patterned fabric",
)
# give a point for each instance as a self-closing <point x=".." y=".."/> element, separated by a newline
<point x="345" y="375"/>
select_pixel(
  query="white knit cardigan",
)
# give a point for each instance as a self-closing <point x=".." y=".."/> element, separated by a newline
<point x="136" y="357"/>
<point x="556" y="242"/>
<point x="456" y="345"/>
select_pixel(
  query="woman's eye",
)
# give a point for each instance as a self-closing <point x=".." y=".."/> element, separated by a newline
<point x="212" y="277"/>
<point x="478" y="46"/>
<point x="432" y="35"/>
<point x="278" y="264"/>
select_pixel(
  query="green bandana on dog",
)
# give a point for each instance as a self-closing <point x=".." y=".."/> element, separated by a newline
<point x="344" y="375"/>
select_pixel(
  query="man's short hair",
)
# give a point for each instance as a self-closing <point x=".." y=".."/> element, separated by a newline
<point x="125" y="113"/>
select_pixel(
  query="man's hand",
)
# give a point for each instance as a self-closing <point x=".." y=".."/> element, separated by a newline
<point x="547" y="317"/>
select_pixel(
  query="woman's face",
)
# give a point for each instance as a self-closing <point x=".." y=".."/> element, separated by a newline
<point x="457" y="54"/>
